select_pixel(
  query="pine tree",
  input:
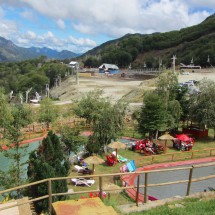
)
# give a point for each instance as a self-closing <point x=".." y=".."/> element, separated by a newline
<point x="48" y="161"/>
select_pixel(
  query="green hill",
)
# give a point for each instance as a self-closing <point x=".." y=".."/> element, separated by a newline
<point x="195" y="42"/>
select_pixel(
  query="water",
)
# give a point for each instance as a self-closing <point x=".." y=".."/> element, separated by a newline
<point x="178" y="189"/>
<point x="5" y="162"/>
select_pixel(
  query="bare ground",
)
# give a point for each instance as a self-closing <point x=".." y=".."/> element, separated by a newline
<point x="116" y="87"/>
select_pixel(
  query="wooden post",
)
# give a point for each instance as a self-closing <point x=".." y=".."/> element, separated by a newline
<point x="173" y="157"/>
<point x="146" y="188"/>
<point x="138" y="189"/>
<point x="192" y="155"/>
<point x="190" y="181"/>
<point x="50" y="195"/>
<point x="165" y="146"/>
<point x="100" y="187"/>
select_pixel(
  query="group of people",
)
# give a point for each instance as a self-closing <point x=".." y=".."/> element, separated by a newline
<point x="147" y="146"/>
<point x="183" y="145"/>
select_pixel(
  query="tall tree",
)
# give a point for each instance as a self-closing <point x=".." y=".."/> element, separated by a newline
<point x="72" y="139"/>
<point x="203" y="105"/>
<point x="153" y="115"/>
<point x="109" y="123"/>
<point x="48" y="112"/>
<point x="21" y="116"/>
<point x="106" y="119"/>
<point x="47" y="162"/>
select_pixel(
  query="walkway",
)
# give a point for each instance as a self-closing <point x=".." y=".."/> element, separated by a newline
<point x="130" y="179"/>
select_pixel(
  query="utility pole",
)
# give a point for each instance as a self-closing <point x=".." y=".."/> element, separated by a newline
<point x="173" y="62"/>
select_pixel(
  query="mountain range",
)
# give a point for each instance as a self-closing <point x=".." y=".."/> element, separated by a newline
<point x="9" y="52"/>
<point x="196" y="42"/>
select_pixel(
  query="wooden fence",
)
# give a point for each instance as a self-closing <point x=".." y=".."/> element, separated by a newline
<point x="100" y="189"/>
<point x="176" y="156"/>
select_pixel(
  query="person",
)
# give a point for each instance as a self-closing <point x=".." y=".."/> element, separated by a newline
<point x="149" y="146"/>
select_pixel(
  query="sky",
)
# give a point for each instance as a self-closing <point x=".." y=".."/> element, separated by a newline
<point x="80" y="25"/>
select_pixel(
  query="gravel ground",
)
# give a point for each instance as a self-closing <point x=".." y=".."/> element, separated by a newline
<point x="115" y="88"/>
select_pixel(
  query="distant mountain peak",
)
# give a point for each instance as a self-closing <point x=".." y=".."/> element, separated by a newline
<point x="9" y="52"/>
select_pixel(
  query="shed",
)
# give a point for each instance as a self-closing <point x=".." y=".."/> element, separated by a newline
<point x="74" y="64"/>
<point x="110" y="68"/>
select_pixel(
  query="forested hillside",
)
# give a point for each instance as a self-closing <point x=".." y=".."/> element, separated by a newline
<point x="36" y="73"/>
<point x="197" y="42"/>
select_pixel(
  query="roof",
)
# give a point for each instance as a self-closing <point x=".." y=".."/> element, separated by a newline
<point x="107" y="66"/>
<point x="73" y="63"/>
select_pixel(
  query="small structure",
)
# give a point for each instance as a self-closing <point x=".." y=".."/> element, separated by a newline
<point x="74" y="64"/>
<point x="109" y="69"/>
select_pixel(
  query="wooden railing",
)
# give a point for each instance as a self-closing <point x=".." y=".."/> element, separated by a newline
<point x="176" y="156"/>
<point x="100" y="187"/>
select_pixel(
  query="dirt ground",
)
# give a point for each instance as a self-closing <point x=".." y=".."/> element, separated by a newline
<point x="114" y="87"/>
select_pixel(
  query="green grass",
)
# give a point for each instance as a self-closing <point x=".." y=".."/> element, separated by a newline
<point x="192" y="206"/>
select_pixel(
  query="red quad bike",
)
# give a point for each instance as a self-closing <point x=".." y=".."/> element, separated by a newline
<point x="183" y="142"/>
<point x="148" y="148"/>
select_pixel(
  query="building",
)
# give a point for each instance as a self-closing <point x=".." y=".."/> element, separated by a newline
<point x="109" y="68"/>
<point x="74" y="64"/>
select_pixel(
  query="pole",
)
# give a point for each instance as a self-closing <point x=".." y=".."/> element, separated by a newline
<point x="190" y="181"/>
<point x="50" y="195"/>
<point x="138" y="189"/>
<point x="146" y="188"/>
<point x="100" y="187"/>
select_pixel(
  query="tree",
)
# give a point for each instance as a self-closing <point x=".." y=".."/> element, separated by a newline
<point x="90" y="106"/>
<point x="5" y="110"/>
<point x="105" y="118"/>
<point x="109" y="123"/>
<point x="48" y="112"/>
<point x="203" y="105"/>
<point x="153" y="115"/>
<point x="72" y="139"/>
<point x="48" y="161"/>
<point x="21" y="116"/>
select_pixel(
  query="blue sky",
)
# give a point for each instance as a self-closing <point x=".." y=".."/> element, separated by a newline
<point x="80" y="25"/>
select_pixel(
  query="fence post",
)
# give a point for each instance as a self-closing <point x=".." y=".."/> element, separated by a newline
<point x="138" y="189"/>
<point x="50" y="195"/>
<point x="100" y="187"/>
<point x="146" y="188"/>
<point x="211" y="152"/>
<point x="190" y="181"/>
<point x="192" y="155"/>
<point x="173" y="157"/>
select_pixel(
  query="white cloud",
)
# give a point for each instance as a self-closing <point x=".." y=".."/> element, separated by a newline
<point x="7" y="28"/>
<point x="82" y="41"/>
<point x="48" y="39"/>
<point x="28" y="14"/>
<point x="113" y="18"/>
<point x="143" y="16"/>
<point x="61" y="24"/>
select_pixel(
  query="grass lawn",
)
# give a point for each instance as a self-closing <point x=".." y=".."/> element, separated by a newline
<point x="189" y="206"/>
<point x="140" y="160"/>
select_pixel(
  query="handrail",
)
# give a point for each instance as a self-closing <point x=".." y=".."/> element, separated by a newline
<point x="100" y="190"/>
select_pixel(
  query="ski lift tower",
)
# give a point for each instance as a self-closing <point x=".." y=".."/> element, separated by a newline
<point x="173" y="62"/>
<point x="77" y="79"/>
<point x="47" y="90"/>
<point x="209" y="62"/>
<point x="21" y="98"/>
<point x="27" y="93"/>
